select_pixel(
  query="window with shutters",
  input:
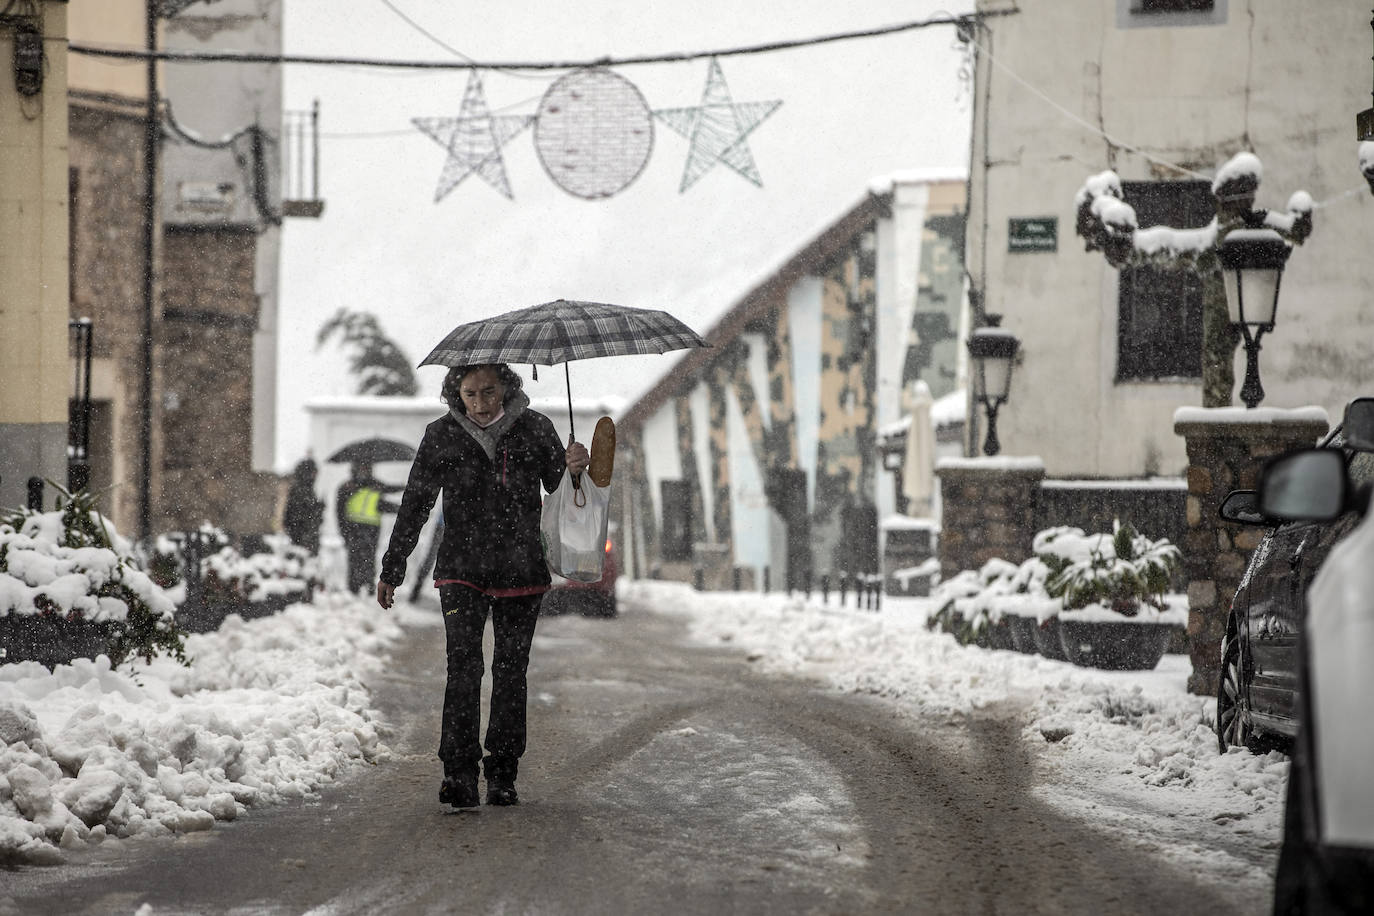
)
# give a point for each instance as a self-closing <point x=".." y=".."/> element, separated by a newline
<point x="1159" y="310"/>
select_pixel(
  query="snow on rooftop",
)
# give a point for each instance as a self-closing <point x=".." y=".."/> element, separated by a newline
<point x="950" y="408"/>
<point x="883" y="184"/>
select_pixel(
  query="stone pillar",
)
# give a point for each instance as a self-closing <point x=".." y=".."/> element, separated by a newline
<point x="1227" y="447"/>
<point x="987" y="510"/>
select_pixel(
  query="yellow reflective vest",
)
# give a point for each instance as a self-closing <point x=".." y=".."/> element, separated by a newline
<point x="364" y="507"/>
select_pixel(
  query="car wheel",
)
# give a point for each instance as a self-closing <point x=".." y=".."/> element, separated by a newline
<point x="1234" y="728"/>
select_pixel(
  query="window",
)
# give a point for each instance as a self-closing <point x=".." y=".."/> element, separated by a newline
<point x="1171" y="6"/>
<point x="1166" y="14"/>
<point x="677" y="519"/>
<point x="1159" y="311"/>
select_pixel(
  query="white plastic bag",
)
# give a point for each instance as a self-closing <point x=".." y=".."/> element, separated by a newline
<point x="573" y="527"/>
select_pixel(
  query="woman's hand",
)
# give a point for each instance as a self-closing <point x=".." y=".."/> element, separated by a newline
<point x="386" y="594"/>
<point x="577" y="458"/>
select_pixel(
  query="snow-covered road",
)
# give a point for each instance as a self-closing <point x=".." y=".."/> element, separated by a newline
<point x="667" y="775"/>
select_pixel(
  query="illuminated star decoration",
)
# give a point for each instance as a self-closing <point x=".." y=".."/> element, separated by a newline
<point x="473" y="140"/>
<point x="717" y="129"/>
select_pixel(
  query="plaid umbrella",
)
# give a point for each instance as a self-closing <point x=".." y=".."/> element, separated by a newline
<point x="559" y="332"/>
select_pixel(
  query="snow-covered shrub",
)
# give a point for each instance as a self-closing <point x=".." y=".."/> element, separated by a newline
<point x="69" y="568"/>
<point x="288" y="570"/>
<point x="969" y="603"/>
<point x="1120" y="571"/>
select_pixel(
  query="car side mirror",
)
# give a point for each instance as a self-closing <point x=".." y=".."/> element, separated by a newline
<point x="1242" y="507"/>
<point x="1305" y="484"/>
<point x="1358" y="425"/>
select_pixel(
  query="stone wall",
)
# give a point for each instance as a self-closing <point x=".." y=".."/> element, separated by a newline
<point x="209" y="314"/>
<point x="106" y="243"/>
<point x="989" y="510"/>
<point x="1227" y="447"/>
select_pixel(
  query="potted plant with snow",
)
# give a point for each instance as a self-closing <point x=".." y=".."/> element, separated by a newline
<point x="1113" y="592"/>
<point x="70" y="588"/>
<point x="1025" y="603"/>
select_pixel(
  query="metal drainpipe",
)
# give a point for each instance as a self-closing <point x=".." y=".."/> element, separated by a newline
<point x="150" y="138"/>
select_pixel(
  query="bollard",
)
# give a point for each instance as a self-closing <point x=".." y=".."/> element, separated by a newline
<point x="878" y="594"/>
<point x="808" y="585"/>
<point x="825" y="589"/>
<point x="35" y="501"/>
<point x="765" y="580"/>
<point x="699" y="578"/>
<point x="736" y="576"/>
<point x="844" y="587"/>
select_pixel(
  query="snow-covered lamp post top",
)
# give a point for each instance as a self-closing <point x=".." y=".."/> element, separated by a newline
<point x="1108" y="224"/>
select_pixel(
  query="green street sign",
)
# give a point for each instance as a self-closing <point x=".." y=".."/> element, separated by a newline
<point x="1038" y="233"/>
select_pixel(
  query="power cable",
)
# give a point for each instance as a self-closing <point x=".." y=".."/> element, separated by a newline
<point x="173" y="56"/>
<point x="440" y="42"/>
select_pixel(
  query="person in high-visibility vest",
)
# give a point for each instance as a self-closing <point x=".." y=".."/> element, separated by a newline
<point x="358" y="508"/>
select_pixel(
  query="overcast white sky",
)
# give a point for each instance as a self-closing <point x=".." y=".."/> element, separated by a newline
<point x="851" y="111"/>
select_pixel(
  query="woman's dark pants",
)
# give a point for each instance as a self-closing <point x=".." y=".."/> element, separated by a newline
<point x="513" y="619"/>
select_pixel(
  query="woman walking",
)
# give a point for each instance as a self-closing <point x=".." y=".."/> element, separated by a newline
<point x="489" y="455"/>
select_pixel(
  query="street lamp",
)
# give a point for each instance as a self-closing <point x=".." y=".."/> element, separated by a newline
<point x="992" y="350"/>
<point x="1251" y="264"/>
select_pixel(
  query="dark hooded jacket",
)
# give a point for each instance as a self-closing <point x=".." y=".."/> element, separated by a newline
<point x="490" y="480"/>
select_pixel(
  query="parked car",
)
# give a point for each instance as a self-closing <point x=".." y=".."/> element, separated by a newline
<point x="592" y="599"/>
<point x="1257" y="693"/>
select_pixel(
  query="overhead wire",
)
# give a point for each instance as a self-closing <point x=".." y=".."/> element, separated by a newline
<point x="176" y="56"/>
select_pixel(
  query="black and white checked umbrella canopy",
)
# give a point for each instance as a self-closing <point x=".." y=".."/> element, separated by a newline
<point x="562" y="331"/>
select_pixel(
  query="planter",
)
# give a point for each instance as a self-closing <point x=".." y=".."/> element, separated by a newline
<point x="50" y="639"/>
<point x="999" y="634"/>
<point x="1124" y="645"/>
<point x="1022" y="630"/>
<point x="1047" y="641"/>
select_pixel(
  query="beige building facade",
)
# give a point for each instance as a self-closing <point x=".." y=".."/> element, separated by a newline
<point x="1162" y="92"/>
<point x="33" y="249"/>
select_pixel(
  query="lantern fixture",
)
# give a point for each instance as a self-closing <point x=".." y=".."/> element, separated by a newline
<point x="28" y="60"/>
<point x="1252" y="263"/>
<point x="992" y="350"/>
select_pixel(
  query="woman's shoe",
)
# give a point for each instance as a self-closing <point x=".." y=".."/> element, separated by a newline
<point x="501" y="794"/>
<point x="459" y="791"/>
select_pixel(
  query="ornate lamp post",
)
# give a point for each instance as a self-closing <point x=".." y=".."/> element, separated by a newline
<point x="1252" y="263"/>
<point x="992" y="350"/>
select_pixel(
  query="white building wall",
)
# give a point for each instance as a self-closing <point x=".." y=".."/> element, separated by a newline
<point x="804" y="323"/>
<point x="661" y="459"/>
<point x="1192" y="95"/>
<point x="700" y="401"/>
<point x="751" y="519"/>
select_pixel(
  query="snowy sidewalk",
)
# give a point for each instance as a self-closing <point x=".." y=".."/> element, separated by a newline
<point x="269" y="710"/>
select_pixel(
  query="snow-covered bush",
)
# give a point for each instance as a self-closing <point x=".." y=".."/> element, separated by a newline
<point x="70" y="570"/>
<point x="1121" y="571"/>
<point x="970" y="602"/>
<point x="287" y="570"/>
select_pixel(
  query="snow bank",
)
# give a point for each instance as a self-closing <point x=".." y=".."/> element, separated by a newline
<point x="269" y="710"/>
